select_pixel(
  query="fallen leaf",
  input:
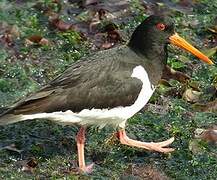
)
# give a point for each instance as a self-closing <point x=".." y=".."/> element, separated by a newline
<point x="7" y="39"/>
<point x="28" y="42"/>
<point x="165" y="82"/>
<point x="44" y="42"/>
<point x="191" y="95"/>
<point x="13" y="148"/>
<point x="208" y="135"/>
<point x="169" y="73"/>
<point x="58" y="23"/>
<point x="114" y="36"/>
<point x="194" y="85"/>
<point x="35" y="38"/>
<point x="32" y="163"/>
<point x="29" y="165"/>
<point x="208" y="107"/>
<point x="210" y="52"/>
<point x="102" y="14"/>
<point x="213" y="29"/>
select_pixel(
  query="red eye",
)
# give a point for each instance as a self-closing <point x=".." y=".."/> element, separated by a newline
<point x="161" y="26"/>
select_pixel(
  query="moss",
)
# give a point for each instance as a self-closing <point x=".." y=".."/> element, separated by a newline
<point x="24" y="69"/>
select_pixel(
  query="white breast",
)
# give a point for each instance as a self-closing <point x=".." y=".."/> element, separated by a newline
<point x="101" y="117"/>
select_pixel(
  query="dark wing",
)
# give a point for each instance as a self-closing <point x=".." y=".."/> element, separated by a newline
<point x="96" y="83"/>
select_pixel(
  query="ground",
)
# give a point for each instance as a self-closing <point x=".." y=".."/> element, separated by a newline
<point x="39" y="39"/>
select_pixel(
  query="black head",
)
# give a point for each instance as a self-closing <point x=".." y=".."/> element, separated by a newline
<point x="152" y="35"/>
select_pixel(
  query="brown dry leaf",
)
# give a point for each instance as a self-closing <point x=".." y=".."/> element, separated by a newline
<point x="208" y="107"/>
<point x="102" y="14"/>
<point x="7" y="39"/>
<point x="28" y="42"/>
<point x="114" y="36"/>
<point x="29" y="165"/>
<point x="96" y="19"/>
<point x="12" y="147"/>
<point x="44" y="42"/>
<point x="108" y="37"/>
<point x="8" y="34"/>
<point x="165" y="82"/>
<point x="170" y="73"/>
<point x="37" y="39"/>
<point x="191" y="95"/>
<point x="213" y="29"/>
<point x="59" y="24"/>
<point x="208" y="135"/>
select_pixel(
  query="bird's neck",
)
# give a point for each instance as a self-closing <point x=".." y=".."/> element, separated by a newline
<point x="153" y="58"/>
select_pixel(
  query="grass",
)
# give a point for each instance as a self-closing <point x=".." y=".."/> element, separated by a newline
<point x="24" y="68"/>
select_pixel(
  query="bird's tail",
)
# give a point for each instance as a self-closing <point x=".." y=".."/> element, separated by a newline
<point x="11" y="118"/>
<point x="58" y="117"/>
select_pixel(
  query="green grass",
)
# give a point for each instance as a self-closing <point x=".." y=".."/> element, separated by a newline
<point x="24" y="68"/>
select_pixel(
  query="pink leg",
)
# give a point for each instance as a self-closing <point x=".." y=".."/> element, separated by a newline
<point x="80" y="139"/>
<point x="151" y="146"/>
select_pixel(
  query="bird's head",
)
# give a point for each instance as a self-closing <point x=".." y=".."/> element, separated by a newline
<point x="155" y="32"/>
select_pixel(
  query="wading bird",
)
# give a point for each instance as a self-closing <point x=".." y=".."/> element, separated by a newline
<point x="107" y="88"/>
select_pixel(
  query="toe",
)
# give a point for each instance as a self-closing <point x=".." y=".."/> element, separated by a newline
<point x="162" y="150"/>
<point x="87" y="169"/>
<point x="167" y="150"/>
<point x="165" y="143"/>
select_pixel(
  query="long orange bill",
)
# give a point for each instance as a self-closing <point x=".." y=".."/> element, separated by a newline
<point x="180" y="42"/>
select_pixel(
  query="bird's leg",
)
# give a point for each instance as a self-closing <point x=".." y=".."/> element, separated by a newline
<point x="151" y="146"/>
<point x="80" y="139"/>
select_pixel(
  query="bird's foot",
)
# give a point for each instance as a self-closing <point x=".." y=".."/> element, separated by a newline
<point x="86" y="169"/>
<point x="151" y="146"/>
<point x="160" y="146"/>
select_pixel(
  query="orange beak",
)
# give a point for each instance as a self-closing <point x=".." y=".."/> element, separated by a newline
<point x="180" y="42"/>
